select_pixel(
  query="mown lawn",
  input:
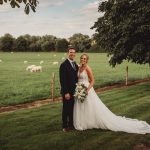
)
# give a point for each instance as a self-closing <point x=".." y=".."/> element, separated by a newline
<point x="20" y="86"/>
<point x="40" y="128"/>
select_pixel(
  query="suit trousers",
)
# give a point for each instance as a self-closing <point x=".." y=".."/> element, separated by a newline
<point x="67" y="112"/>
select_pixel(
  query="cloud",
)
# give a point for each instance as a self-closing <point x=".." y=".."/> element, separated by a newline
<point x="5" y="7"/>
<point x="43" y="3"/>
<point x="63" y="21"/>
<point x="52" y="3"/>
<point x="90" y="9"/>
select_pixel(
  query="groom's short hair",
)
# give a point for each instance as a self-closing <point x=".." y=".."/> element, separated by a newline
<point x="71" y="48"/>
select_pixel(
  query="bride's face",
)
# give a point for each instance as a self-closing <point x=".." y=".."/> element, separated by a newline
<point x="83" y="60"/>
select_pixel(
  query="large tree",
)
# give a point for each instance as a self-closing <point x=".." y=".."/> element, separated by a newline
<point x="29" y="4"/>
<point x="7" y="43"/>
<point x="48" y="43"/>
<point x="21" y="44"/>
<point x="80" y="42"/>
<point x="35" y="44"/>
<point x="124" y="30"/>
<point x="61" y="44"/>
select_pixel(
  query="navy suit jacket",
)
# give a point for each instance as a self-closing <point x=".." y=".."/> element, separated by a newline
<point x="68" y="77"/>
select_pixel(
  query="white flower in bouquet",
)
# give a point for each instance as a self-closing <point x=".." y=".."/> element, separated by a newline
<point x="80" y="92"/>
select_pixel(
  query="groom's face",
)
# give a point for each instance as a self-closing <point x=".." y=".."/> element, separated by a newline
<point x="71" y="54"/>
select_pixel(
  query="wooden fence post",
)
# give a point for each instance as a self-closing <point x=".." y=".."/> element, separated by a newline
<point x="53" y="86"/>
<point x="127" y="75"/>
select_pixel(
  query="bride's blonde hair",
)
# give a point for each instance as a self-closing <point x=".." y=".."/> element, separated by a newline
<point x="87" y="57"/>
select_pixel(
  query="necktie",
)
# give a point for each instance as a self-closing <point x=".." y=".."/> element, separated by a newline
<point x="73" y="65"/>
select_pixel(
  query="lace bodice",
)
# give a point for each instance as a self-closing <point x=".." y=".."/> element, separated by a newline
<point x="83" y="77"/>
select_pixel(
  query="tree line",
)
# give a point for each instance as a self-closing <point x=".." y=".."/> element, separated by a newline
<point x="46" y="43"/>
<point x="123" y="32"/>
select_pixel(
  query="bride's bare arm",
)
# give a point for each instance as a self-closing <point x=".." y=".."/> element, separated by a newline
<point x="91" y="77"/>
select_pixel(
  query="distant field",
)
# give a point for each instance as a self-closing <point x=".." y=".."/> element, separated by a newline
<point x="19" y="86"/>
<point x="40" y="128"/>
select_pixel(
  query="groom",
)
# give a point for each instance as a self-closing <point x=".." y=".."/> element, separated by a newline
<point x="68" y="79"/>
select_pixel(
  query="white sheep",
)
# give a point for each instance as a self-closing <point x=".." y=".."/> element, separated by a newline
<point x="30" y="67"/>
<point x="55" y="63"/>
<point x="63" y="58"/>
<point x="25" y="62"/>
<point x="1" y="61"/>
<point x="109" y="58"/>
<point x="54" y="55"/>
<point x="36" y="69"/>
<point x="41" y="62"/>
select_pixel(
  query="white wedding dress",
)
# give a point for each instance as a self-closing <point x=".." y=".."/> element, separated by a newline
<point x="92" y="113"/>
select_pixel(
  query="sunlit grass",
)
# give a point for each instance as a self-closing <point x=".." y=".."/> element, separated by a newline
<point x="20" y="86"/>
<point x="40" y="128"/>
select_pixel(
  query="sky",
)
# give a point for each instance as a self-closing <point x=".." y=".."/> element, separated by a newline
<point x="61" y="18"/>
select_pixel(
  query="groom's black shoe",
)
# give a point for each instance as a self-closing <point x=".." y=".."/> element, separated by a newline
<point x="71" y="128"/>
<point x="65" y="130"/>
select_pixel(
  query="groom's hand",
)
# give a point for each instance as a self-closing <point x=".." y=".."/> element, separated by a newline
<point x="67" y="96"/>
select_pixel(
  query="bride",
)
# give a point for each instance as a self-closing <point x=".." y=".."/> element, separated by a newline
<point x="92" y="113"/>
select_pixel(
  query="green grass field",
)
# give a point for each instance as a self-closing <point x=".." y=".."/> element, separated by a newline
<point x="20" y="86"/>
<point x="40" y="128"/>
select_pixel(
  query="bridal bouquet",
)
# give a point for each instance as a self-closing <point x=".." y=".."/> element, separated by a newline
<point x="80" y="92"/>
